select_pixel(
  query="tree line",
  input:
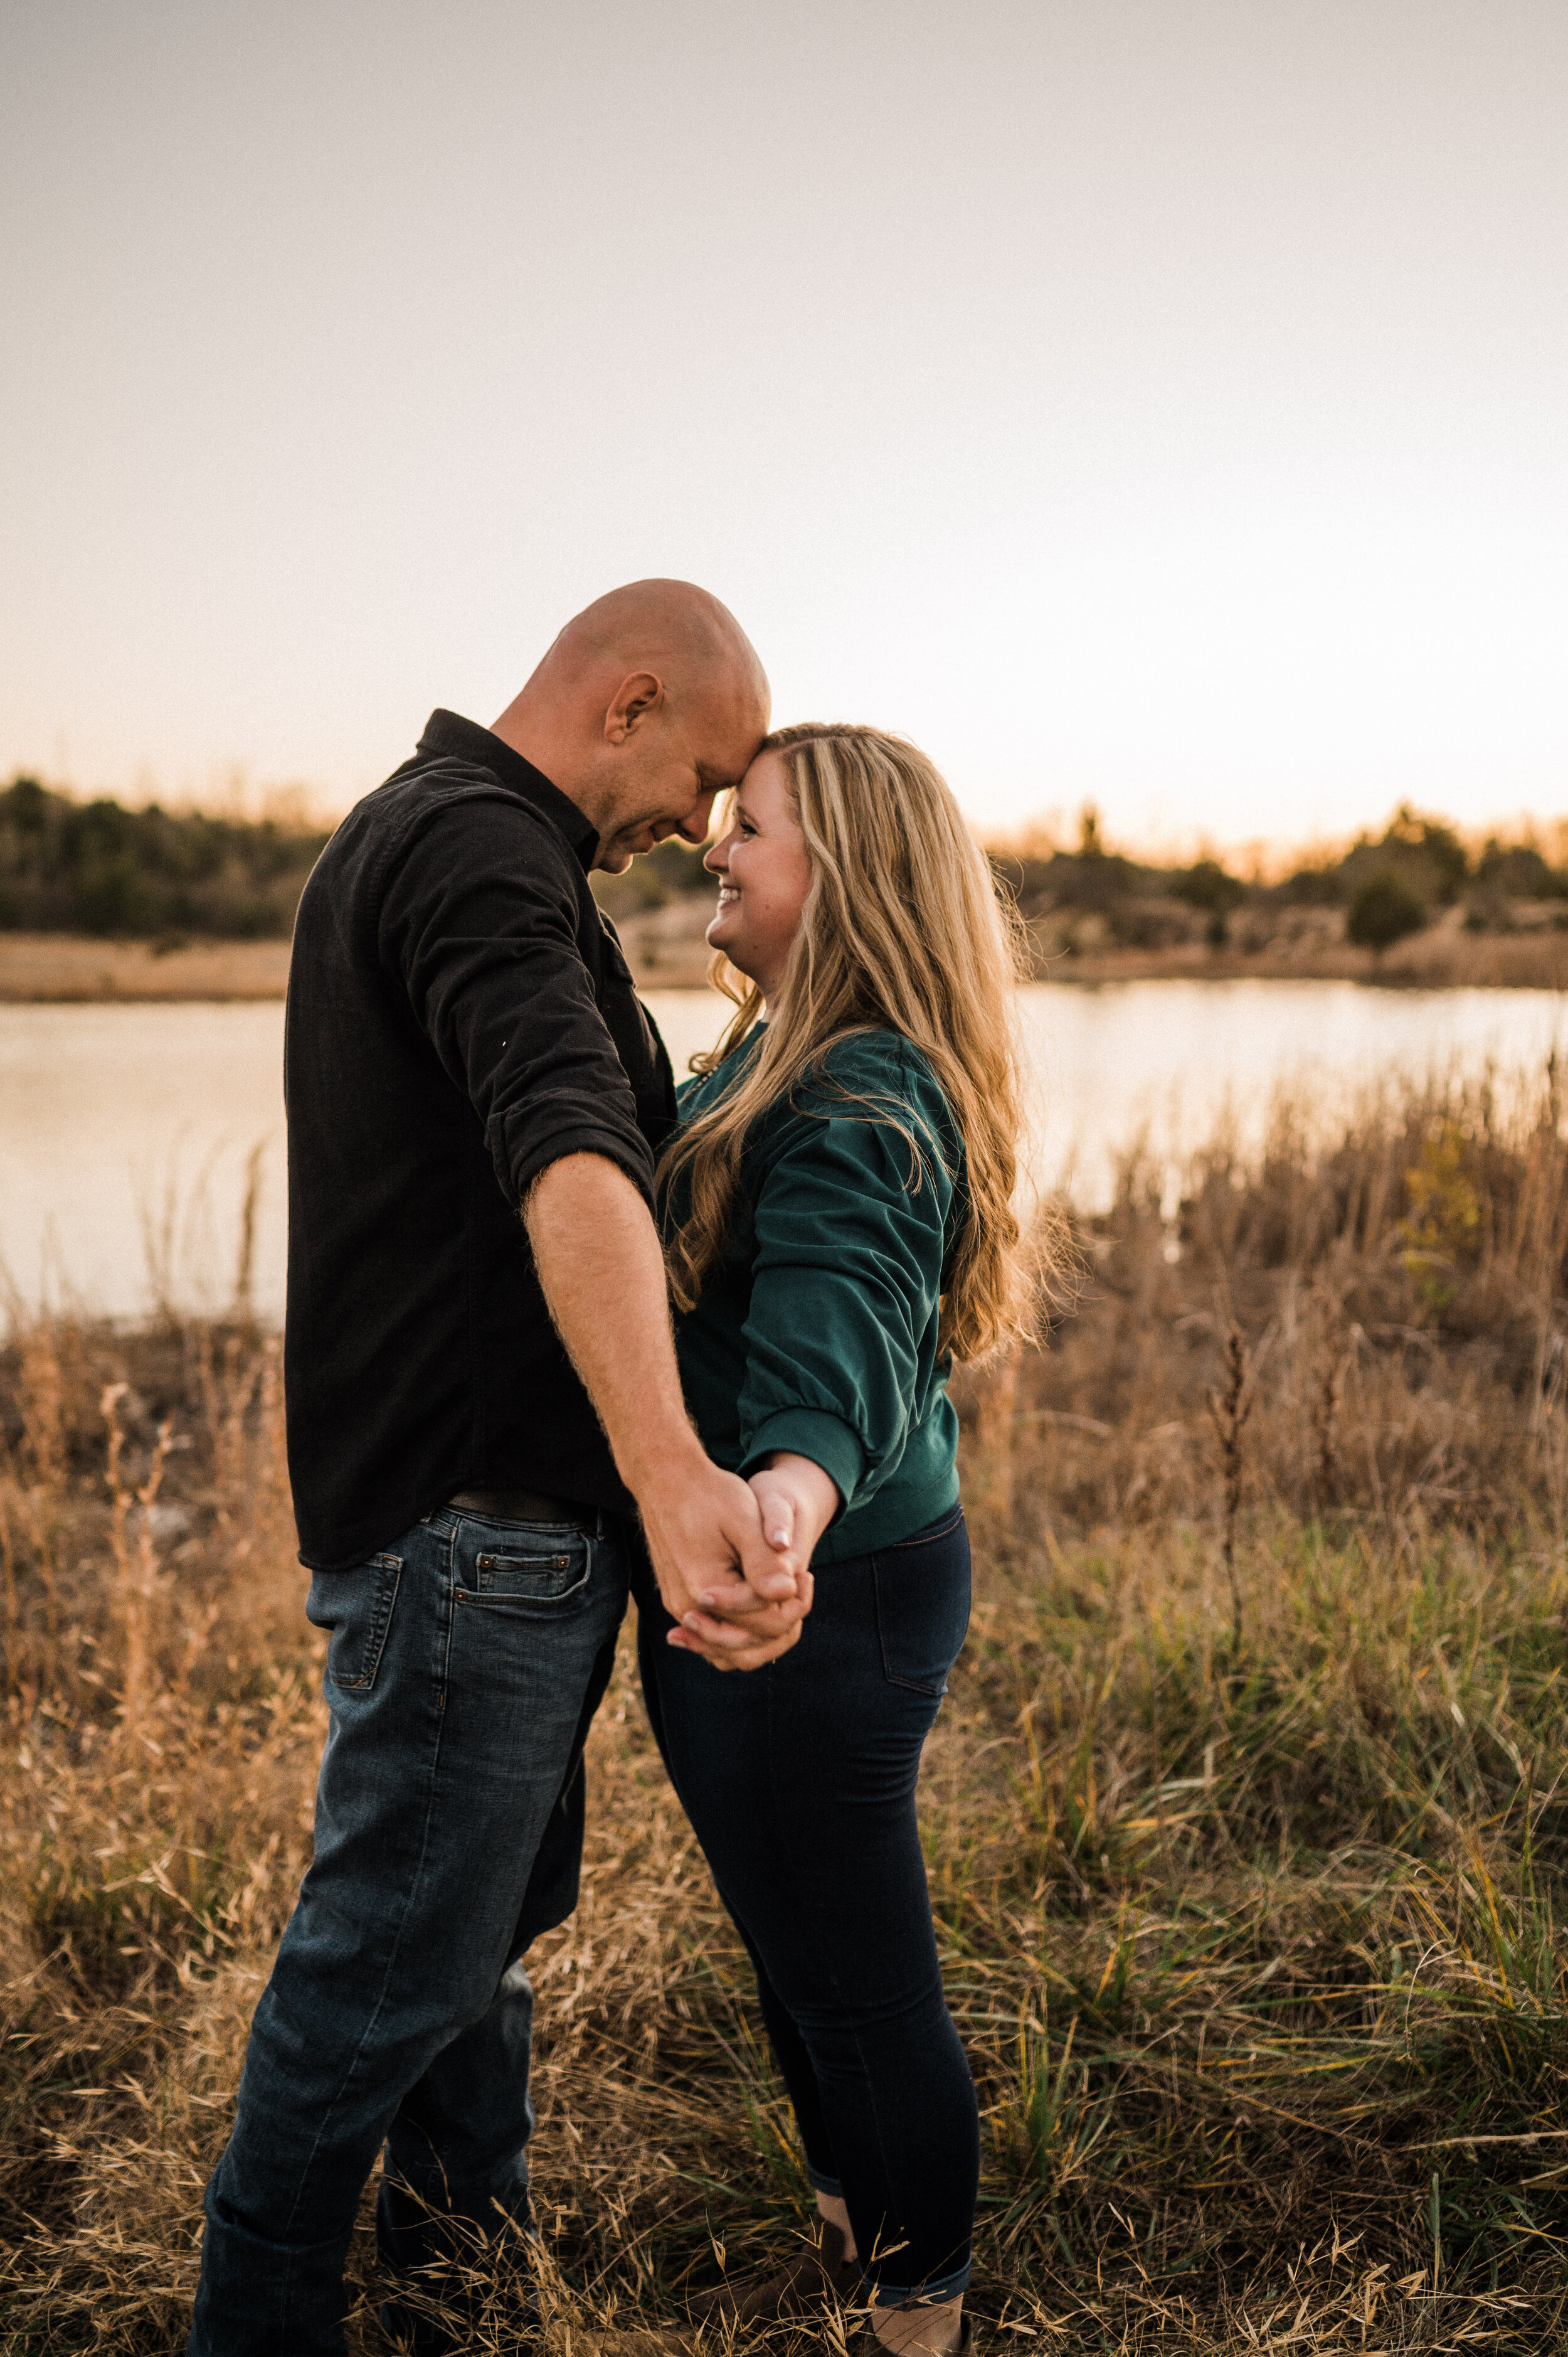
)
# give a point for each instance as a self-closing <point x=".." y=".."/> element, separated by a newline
<point x="148" y="875"/>
<point x="1387" y="886"/>
<point x="97" y="868"/>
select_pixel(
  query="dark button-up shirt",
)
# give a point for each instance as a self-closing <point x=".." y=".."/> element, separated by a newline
<point x="459" y="1017"/>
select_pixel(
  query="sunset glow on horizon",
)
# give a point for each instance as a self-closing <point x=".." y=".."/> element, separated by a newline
<point x="1161" y="407"/>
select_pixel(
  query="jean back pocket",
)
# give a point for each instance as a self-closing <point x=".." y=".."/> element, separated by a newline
<point x="357" y="1607"/>
<point x="922" y="1604"/>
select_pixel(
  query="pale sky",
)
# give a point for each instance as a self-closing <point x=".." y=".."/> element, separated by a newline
<point x="1164" y="402"/>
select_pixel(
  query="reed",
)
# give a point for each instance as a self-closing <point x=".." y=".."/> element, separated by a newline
<point x="1248" y="1882"/>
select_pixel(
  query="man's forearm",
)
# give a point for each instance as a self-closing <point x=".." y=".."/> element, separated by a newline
<point x="596" y="1251"/>
<point x="599" y="1262"/>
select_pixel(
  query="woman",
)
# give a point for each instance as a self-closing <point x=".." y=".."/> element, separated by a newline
<point x="839" y="1227"/>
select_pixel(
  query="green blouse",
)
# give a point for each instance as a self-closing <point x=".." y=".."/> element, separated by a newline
<point x="816" y="1330"/>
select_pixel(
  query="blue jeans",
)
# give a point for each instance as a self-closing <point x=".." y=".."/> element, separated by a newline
<point x="799" y="1780"/>
<point x="465" y="1665"/>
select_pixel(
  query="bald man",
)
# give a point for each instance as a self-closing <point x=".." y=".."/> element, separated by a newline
<point x="482" y="1404"/>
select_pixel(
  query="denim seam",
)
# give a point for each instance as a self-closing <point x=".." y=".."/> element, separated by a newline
<point x="375" y="2013"/>
<point x="929" y="2295"/>
<point x="390" y="1567"/>
<point x="910" y="1685"/>
<point x="928" y="1538"/>
<point x="818" y="1914"/>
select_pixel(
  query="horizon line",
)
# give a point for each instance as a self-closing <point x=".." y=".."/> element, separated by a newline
<point x="307" y="808"/>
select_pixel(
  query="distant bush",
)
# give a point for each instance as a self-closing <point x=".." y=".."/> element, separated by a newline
<point x="1430" y="843"/>
<point x="1146" y="925"/>
<point x="1207" y="886"/>
<point x="1519" y="872"/>
<point x="97" y="868"/>
<point x="1425" y="854"/>
<point x="1384" y="911"/>
<point x="669" y="872"/>
<point x="1319" y="887"/>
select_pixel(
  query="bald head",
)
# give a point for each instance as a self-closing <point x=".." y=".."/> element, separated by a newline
<point x="648" y="704"/>
<point x="669" y="626"/>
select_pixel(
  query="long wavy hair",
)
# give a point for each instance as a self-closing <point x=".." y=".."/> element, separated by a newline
<point x="902" y="931"/>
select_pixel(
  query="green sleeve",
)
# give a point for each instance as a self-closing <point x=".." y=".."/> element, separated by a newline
<point x="846" y="1280"/>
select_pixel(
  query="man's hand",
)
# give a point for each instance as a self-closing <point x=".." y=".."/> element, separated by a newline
<point x="796" y="1501"/>
<point x="735" y="1604"/>
<point x="603" y="1274"/>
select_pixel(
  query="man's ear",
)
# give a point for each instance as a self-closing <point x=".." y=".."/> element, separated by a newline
<point x="640" y="692"/>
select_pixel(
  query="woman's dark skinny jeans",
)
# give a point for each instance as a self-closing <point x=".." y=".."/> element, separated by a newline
<point x="799" y="1780"/>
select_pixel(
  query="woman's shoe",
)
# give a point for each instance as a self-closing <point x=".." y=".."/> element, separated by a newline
<point x="821" y="2273"/>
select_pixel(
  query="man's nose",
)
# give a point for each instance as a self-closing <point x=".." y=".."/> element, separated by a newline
<point x="697" y="821"/>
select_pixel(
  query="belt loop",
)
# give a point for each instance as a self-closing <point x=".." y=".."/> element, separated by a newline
<point x="599" y="1524"/>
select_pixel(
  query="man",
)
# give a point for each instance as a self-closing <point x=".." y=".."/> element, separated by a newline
<point x="481" y="1392"/>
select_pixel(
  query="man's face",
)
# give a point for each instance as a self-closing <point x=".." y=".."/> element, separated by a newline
<point x="672" y="767"/>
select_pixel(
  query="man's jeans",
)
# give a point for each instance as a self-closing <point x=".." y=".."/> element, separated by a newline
<point x="465" y="1664"/>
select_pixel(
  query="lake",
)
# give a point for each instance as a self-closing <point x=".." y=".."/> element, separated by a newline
<point x="128" y="1133"/>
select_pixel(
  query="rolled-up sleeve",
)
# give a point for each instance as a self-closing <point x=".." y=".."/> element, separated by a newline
<point x="479" y="920"/>
<point x="846" y="1281"/>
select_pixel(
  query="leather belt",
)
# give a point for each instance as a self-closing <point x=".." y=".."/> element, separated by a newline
<point x="527" y="1506"/>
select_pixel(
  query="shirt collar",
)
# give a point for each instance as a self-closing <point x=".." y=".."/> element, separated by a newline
<point x="448" y="734"/>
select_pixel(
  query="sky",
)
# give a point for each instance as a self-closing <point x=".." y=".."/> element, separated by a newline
<point x="1163" y="402"/>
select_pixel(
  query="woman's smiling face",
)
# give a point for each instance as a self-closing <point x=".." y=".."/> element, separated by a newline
<point x="764" y="875"/>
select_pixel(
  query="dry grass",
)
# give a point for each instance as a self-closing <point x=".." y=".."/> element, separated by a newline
<point x="667" y="949"/>
<point x="71" y="969"/>
<point x="1309" y="945"/>
<point x="1247" y="1894"/>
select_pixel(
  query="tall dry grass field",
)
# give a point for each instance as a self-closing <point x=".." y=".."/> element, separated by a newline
<point x="1246" y="1816"/>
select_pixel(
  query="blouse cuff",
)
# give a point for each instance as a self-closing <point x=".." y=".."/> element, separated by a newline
<point x="827" y="1440"/>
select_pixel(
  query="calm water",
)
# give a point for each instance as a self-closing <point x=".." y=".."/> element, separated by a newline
<point x="126" y="1131"/>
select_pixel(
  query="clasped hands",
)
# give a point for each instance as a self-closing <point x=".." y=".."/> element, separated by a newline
<point x="732" y="1558"/>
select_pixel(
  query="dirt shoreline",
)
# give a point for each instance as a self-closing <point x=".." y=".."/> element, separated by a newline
<point x="66" y="969"/>
<point x="667" y="952"/>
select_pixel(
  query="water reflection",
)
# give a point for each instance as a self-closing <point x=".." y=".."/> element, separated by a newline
<point x="131" y="1136"/>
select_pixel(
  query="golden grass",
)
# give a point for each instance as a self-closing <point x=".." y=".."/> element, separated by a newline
<point x="1310" y="946"/>
<point x="1248" y="1894"/>
<point x="667" y="951"/>
<point x="69" y="968"/>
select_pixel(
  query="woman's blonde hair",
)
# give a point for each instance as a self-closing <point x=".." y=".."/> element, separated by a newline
<point x="902" y="931"/>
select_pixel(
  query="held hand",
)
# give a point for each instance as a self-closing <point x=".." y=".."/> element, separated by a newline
<point x="702" y="1526"/>
<point x="717" y="1625"/>
<point x="795" y="1501"/>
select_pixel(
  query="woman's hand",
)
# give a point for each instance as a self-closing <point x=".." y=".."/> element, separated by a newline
<point x="737" y="1613"/>
<point x="798" y="1501"/>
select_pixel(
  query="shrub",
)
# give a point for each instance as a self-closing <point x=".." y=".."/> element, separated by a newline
<point x="1207" y="886"/>
<point x="1382" y="912"/>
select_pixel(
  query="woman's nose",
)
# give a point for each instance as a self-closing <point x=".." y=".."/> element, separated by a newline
<point x="715" y="859"/>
